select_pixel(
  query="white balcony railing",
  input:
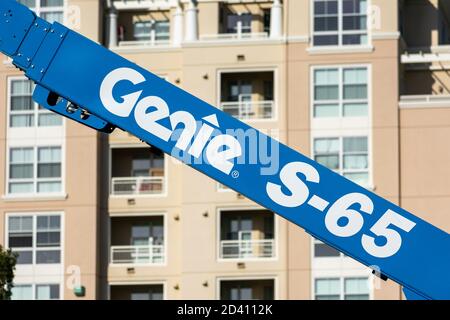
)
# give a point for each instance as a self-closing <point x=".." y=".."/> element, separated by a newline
<point x="137" y="185"/>
<point x="249" y="110"/>
<point x="424" y="100"/>
<point x="142" y="4"/>
<point x="146" y="254"/>
<point x="144" y="43"/>
<point x="440" y="53"/>
<point x="240" y="249"/>
<point x="235" y="36"/>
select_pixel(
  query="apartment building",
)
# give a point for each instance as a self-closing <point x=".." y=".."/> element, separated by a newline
<point x="361" y="86"/>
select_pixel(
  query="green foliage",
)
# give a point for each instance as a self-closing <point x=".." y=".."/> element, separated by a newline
<point x="7" y="266"/>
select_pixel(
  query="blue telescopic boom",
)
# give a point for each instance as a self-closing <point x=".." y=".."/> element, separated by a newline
<point x="81" y="80"/>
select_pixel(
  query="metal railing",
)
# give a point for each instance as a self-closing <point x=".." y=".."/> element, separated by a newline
<point x="137" y="185"/>
<point x="143" y="43"/>
<point x="235" y="36"/>
<point x="249" y="110"/>
<point x="411" y="100"/>
<point x="145" y="254"/>
<point x="240" y="249"/>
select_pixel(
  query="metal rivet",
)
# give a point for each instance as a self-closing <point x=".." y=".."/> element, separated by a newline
<point x="45" y="29"/>
<point x="32" y="66"/>
<point x="35" y="24"/>
<point x="52" y="31"/>
<point x="61" y="36"/>
<point x="28" y="59"/>
<point x="42" y="70"/>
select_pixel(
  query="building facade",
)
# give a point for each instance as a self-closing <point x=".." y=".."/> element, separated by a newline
<point x="361" y="86"/>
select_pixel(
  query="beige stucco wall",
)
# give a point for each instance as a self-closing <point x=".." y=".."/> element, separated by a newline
<point x="425" y="173"/>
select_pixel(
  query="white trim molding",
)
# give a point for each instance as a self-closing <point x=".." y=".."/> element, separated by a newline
<point x="340" y="50"/>
<point x="380" y="35"/>
<point x="424" y="101"/>
<point x="298" y="39"/>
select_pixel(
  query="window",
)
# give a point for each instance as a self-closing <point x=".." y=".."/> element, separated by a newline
<point x="50" y="10"/>
<point x="41" y="292"/>
<point x="340" y="92"/>
<point x="327" y="289"/>
<point x="144" y="243"/>
<point x="48" y="239"/>
<point x="146" y="164"/>
<point x="142" y="30"/>
<point x="21" y="238"/>
<point x="147" y="234"/>
<point x="347" y="156"/>
<point x="342" y="289"/>
<point x="356" y="289"/>
<point x="162" y="30"/>
<point x="247" y="289"/>
<point x="152" y="30"/>
<point x="35" y="170"/>
<point x="322" y="250"/>
<point x="47" y="292"/>
<point x="22" y="292"/>
<point x="444" y="28"/>
<point x="266" y="20"/>
<point x="340" y="22"/>
<point x="247" y="234"/>
<point x="36" y="238"/>
<point x="240" y="90"/>
<point x="49" y="170"/>
<point x="248" y="95"/>
<point x="137" y="292"/>
<point x="24" y="112"/>
<point x="239" y="23"/>
<point x="21" y="173"/>
<point x="153" y="293"/>
<point x="241" y="293"/>
<point x="137" y="171"/>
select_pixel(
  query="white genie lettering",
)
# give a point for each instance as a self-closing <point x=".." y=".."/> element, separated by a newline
<point x="220" y="151"/>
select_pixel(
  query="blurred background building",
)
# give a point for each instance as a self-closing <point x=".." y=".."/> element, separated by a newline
<point x="362" y="86"/>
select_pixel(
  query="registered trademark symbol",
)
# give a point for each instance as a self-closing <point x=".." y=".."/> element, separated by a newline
<point x="235" y="174"/>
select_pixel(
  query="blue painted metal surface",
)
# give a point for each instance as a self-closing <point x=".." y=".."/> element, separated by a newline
<point x="116" y="92"/>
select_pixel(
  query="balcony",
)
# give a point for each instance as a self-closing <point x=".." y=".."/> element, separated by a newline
<point x="425" y="29"/>
<point x="258" y="289"/>
<point x="248" y="95"/>
<point x="143" y="28"/>
<point x="137" y="240"/>
<point x="137" y="171"/>
<point x="137" y="292"/>
<point x="247" y="234"/>
<point x="251" y="21"/>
